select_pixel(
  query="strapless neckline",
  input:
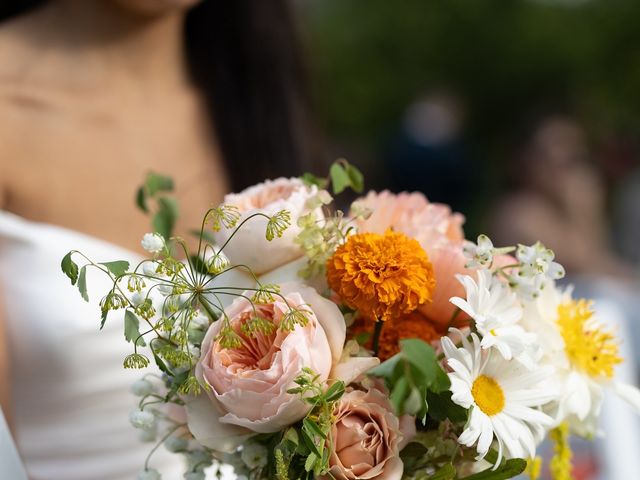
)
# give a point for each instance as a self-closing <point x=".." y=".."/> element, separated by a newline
<point x="22" y="222"/>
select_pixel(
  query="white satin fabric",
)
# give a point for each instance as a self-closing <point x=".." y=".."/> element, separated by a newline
<point x="70" y="393"/>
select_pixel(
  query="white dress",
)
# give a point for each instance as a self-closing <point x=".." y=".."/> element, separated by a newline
<point x="70" y="393"/>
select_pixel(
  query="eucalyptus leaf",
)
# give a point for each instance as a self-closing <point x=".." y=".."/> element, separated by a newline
<point x="82" y="283"/>
<point x="422" y="356"/>
<point x="70" y="268"/>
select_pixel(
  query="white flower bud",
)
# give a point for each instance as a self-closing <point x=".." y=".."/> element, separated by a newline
<point x="199" y="460"/>
<point x="150" y="474"/>
<point x="142" y="387"/>
<point x="137" y="298"/>
<point x="152" y="242"/>
<point x="142" y="419"/>
<point x="149" y="269"/>
<point x="176" y="444"/>
<point x="254" y="455"/>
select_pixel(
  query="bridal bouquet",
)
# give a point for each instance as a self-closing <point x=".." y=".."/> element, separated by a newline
<point x="298" y="341"/>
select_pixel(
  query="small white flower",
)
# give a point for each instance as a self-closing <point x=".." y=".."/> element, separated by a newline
<point x="152" y="242"/>
<point x="479" y="254"/>
<point x="137" y="298"/>
<point x="537" y="259"/>
<point x="254" y="455"/>
<point x="496" y="313"/>
<point x="150" y="474"/>
<point x="176" y="444"/>
<point x="142" y="419"/>
<point x="503" y="396"/>
<point x="142" y="387"/>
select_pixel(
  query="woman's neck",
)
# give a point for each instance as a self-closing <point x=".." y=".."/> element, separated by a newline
<point x="106" y="46"/>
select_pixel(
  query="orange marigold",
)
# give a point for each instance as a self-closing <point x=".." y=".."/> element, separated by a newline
<point x="382" y="276"/>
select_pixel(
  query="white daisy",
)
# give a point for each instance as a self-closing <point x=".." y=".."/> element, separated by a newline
<point x="584" y="354"/>
<point x="496" y="312"/>
<point x="503" y="397"/>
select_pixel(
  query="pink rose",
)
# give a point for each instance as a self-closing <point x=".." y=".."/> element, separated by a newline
<point x="247" y="386"/>
<point x="366" y="438"/>
<point x="438" y="230"/>
<point x="249" y="245"/>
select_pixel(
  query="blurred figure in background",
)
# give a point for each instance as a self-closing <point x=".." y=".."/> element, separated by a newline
<point x="558" y="197"/>
<point x="428" y="154"/>
<point x="94" y="94"/>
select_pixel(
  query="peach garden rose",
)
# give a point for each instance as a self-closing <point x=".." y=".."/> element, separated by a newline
<point x="249" y="245"/>
<point x="246" y="386"/>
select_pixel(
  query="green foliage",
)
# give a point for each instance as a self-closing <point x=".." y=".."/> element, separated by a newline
<point x="509" y="469"/>
<point x="70" y="268"/>
<point x="118" y="268"/>
<point x="165" y="218"/>
<point x="153" y="184"/>
<point x="82" y="283"/>
<point x="132" y="328"/>
<point x="343" y="175"/>
<point x="304" y="448"/>
<point x="411" y="375"/>
<point x="156" y="187"/>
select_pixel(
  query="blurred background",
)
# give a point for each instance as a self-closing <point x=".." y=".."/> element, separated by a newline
<point x="523" y="115"/>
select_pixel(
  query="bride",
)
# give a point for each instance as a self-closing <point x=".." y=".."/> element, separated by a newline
<point x="93" y="95"/>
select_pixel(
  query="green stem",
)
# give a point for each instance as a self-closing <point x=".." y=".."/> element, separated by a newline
<point x="376" y="336"/>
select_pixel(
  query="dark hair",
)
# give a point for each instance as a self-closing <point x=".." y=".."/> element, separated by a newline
<point x="244" y="56"/>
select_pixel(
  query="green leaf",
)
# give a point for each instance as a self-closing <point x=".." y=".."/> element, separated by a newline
<point x="442" y="407"/>
<point x="70" y="268"/>
<point x="158" y="183"/>
<point x="356" y="179"/>
<point x="141" y="200"/>
<point x="82" y="283"/>
<point x="448" y="472"/>
<point x="165" y="218"/>
<point x="313" y="428"/>
<point x="386" y="368"/>
<point x="119" y="267"/>
<point x="509" y="469"/>
<point x="423" y="357"/>
<point x="132" y="328"/>
<point x="398" y="394"/>
<point x="309" y="443"/>
<point x="310" y="462"/>
<point x="310" y="179"/>
<point x="339" y="178"/>
<point x="334" y="392"/>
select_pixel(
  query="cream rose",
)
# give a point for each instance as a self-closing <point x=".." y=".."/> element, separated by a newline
<point x="439" y="232"/>
<point x="366" y="438"/>
<point x="249" y="245"/>
<point x="247" y="386"/>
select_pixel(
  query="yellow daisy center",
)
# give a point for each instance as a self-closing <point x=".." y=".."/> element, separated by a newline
<point x="488" y="395"/>
<point x="588" y="345"/>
